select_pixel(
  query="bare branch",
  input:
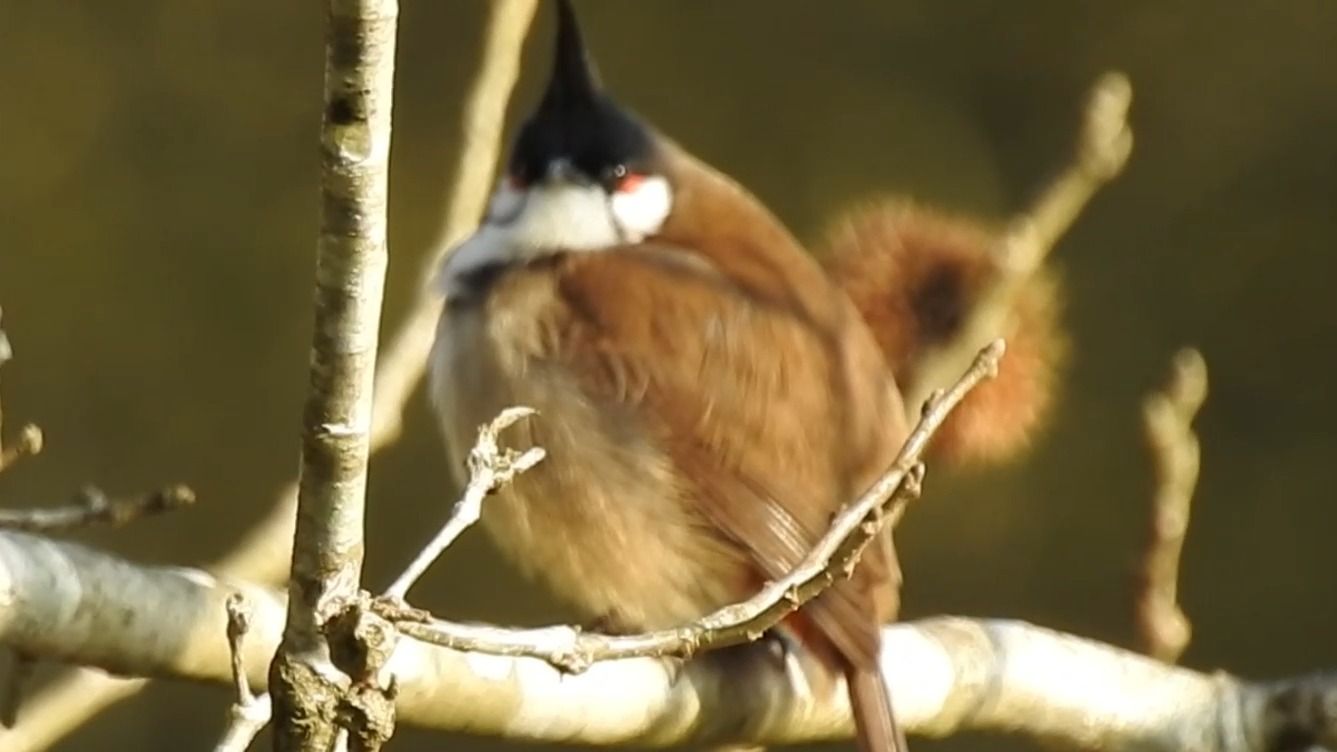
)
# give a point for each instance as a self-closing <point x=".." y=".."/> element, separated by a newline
<point x="351" y="258"/>
<point x="1168" y="422"/>
<point x="264" y="553"/>
<point x="947" y="674"/>
<point x="830" y="559"/>
<point x="249" y="714"/>
<point x="1103" y="148"/>
<point x="490" y="468"/>
<point x="91" y="506"/>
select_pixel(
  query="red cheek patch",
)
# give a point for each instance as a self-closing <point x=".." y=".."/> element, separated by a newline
<point x="630" y="182"/>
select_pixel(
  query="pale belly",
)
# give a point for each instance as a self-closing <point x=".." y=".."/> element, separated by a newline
<point x="604" y="519"/>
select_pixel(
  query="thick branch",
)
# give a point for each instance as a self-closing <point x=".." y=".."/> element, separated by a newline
<point x="336" y="423"/>
<point x="264" y="553"/>
<point x="948" y="674"/>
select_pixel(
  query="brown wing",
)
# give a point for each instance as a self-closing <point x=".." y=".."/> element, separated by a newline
<point x="754" y="401"/>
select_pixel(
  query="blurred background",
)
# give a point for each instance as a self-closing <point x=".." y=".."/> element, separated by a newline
<point x="157" y="236"/>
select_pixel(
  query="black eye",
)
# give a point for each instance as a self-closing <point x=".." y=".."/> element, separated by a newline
<point x="613" y="176"/>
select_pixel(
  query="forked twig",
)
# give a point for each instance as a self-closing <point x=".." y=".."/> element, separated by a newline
<point x="490" y="468"/>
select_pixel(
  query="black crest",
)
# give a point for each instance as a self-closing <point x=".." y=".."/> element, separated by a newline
<point x="576" y="120"/>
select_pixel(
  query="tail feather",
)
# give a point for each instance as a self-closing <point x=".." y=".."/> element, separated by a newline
<point x="875" y="724"/>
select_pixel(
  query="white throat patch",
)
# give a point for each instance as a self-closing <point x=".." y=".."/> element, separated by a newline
<point x="551" y="217"/>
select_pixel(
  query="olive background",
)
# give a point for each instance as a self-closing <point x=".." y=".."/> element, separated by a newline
<point x="157" y="235"/>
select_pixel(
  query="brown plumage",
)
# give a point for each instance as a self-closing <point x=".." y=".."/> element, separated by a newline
<point x="708" y="399"/>
<point x="914" y="274"/>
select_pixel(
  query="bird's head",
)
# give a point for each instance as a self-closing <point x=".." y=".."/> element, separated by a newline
<point x="584" y="173"/>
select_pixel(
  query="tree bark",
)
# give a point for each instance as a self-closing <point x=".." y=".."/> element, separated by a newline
<point x="336" y="422"/>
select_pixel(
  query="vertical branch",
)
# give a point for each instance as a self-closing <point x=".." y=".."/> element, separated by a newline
<point x="336" y="422"/>
<point x="1168" y="420"/>
<point x="6" y="352"/>
<point x="60" y="707"/>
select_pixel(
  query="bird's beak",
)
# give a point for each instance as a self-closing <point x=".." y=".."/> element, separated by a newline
<point x="561" y="171"/>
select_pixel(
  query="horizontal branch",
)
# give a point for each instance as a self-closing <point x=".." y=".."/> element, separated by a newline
<point x="66" y="601"/>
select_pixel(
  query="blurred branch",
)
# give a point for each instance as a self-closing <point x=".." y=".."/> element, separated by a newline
<point x="91" y="506"/>
<point x="29" y="443"/>
<point x="1168" y="421"/>
<point x="30" y="436"/>
<point x="264" y="553"/>
<point x="1103" y="148"/>
<point x="21" y="667"/>
<point x="947" y="674"/>
<point x="351" y="258"/>
<point x="6" y="353"/>
<point x="837" y="552"/>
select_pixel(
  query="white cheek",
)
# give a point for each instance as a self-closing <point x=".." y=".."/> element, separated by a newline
<point x="526" y="224"/>
<point x="642" y="211"/>
<point x="565" y="217"/>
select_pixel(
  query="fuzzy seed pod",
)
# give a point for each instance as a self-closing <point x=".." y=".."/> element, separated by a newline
<point x="914" y="274"/>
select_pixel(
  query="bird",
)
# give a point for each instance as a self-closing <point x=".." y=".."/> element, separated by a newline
<point x="709" y="394"/>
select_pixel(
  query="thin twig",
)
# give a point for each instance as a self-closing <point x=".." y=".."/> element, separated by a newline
<point x="248" y="714"/>
<point x="1103" y="149"/>
<point x="91" y="506"/>
<point x="490" y="468"/>
<point x="1168" y="421"/>
<point x="833" y="557"/>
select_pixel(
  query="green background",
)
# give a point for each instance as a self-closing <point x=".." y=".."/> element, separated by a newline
<point x="158" y="216"/>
